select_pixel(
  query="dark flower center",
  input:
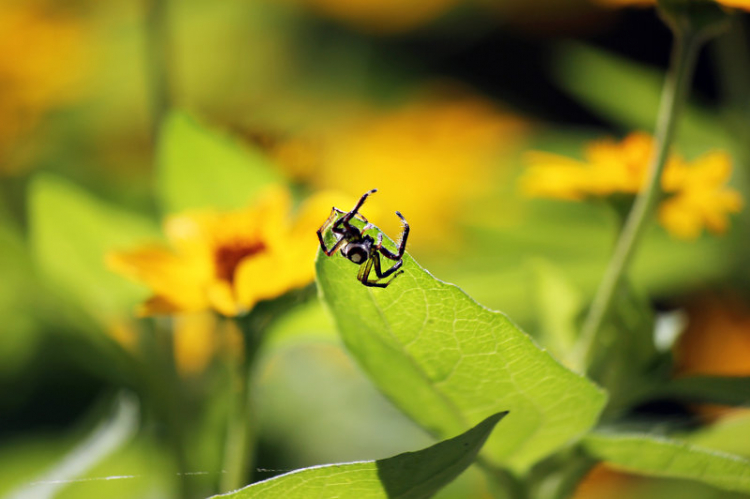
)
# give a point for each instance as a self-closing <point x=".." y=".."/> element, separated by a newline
<point x="227" y="258"/>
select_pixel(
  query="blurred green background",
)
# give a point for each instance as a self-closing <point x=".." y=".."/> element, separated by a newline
<point x="431" y="101"/>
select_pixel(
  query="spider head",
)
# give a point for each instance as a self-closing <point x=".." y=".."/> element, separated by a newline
<point x="358" y="252"/>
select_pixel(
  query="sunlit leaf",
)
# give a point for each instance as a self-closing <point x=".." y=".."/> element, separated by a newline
<point x="653" y="456"/>
<point x="728" y="434"/>
<point x="71" y="231"/>
<point x="411" y="475"/>
<point x="199" y="167"/>
<point x="448" y="362"/>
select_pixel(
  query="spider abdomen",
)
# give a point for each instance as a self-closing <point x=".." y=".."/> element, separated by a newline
<point x="356" y="252"/>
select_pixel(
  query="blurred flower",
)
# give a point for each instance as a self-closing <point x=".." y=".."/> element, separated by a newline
<point x="700" y="197"/>
<point x="428" y="158"/>
<point x="42" y="57"/>
<point x="382" y="15"/>
<point x="697" y="194"/>
<point x="717" y="339"/>
<point x="228" y="261"/>
<point x="739" y="4"/>
<point x="197" y="338"/>
<point x="715" y="343"/>
<point x="603" y="481"/>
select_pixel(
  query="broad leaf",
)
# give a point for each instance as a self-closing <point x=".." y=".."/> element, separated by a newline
<point x="71" y="231"/>
<point x="710" y="389"/>
<point x="412" y="475"/>
<point x="654" y="456"/>
<point x="199" y="167"/>
<point x="729" y="434"/>
<point x="448" y="362"/>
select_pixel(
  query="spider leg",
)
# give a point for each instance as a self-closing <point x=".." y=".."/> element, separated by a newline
<point x="359" y="204"/>
<point x="339" y="240"/>
<point x="329" y="220"/>
<point x="364" y="271"/>
<point x="401" y="243"/>
<point x="353" y="213"/>
<point x="374" y="262"/>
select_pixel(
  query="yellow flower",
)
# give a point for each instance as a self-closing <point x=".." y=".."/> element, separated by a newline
<point x="697" y="194"/>
<point x="428" y="159"/>
<point x="42" y="58"/>
<point x="228" y="261"/>
<point x="700" y="198"/>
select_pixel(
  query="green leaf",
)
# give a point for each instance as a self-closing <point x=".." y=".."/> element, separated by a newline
<point x="198" y="167"/>
<point x="653" y="456"/>
<point x="729" y="434"/>
<point x="411" y="475"/>
<point x="637" y="89"/>
<point x="559" y="304"/>
<point x="71" y="232"/>
<point x="709" y="389"/>
<point x="448" y="362"/>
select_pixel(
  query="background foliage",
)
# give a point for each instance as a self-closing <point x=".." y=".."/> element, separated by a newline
<point x="118" y="114"/>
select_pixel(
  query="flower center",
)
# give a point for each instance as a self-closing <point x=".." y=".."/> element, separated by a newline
<point x="227" y="258"/>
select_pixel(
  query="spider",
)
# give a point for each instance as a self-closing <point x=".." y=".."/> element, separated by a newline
<point x="361" y="248"/>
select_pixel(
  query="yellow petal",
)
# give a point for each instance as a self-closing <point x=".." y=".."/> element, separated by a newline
<point x="263" y="277"/>
<point x="221" y="296"/>
<point x="174" y="279"/>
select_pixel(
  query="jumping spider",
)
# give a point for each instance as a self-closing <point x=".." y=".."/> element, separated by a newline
<point x="361" y="248"/>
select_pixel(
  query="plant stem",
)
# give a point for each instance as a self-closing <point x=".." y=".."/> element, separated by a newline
<point x="168" y="396"/>
<point x="239" y="448"/>
<point x="674" y="94"/>
<point x="503" y="483"/>
<point x="240" y="436"/>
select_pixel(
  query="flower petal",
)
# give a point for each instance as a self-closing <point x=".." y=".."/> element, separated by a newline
<point x="173" y="279"/>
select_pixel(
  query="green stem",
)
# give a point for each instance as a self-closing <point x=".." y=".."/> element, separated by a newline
<point x="168" y="396"/>
<point x="561" y="475"/>
<point x="503" y="483"/>
<point x="239" y="448"/>
<point x="240" y="435"/>
<point x="684" y="54"/>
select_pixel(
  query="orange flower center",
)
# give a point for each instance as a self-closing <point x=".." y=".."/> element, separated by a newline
<point x="228" y="257"/>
